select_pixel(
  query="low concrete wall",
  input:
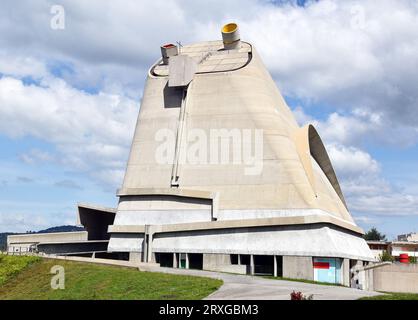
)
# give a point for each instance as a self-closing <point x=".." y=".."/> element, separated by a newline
<point x="296" y="267"/>
<point x="222" y="263"/>
<point x="135" y="257"/>
<point x="232" y="268"/>
<point x="396" y="278"/>
<point x="212" y="260"/>
<point x="137" y="265"/>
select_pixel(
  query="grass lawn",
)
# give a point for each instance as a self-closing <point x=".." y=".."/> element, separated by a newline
<point x="84" y="281"/>
<point x="393" y="296"/>
<point x="12" y="265"/>
<point x="304" y="281"/>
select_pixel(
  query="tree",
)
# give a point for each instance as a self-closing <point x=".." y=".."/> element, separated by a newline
<point x="373" y="234"/>
<point x="385" y="256"/>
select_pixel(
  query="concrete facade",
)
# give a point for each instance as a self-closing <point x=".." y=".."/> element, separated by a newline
<point x="268" y="213"/>
<point x="225" y="214"/>
<point x="296" y="267"/>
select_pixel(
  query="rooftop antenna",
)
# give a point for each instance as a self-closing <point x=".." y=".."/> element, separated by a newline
<point x="180" y="45"/>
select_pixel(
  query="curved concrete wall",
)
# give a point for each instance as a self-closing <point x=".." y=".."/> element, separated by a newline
<point x="244" y="99"/>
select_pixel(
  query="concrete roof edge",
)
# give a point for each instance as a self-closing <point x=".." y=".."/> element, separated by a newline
<point x="44" y="233"/>
<point x="200" y="194"/>
<point x="229" y="224"/>
<point x="96" y="207"/>
<point x="378" y="242"/>
<point x="74" y="241"/>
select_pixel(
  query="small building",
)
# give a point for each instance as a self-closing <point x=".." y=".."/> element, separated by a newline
<point x="23" y="243"/>
<point x="91" y="242"/>
<point x="379" y="247"/>
<point x="406" y="244"/>
<point x="404" y="247"/>
<point x="409" y="237"/>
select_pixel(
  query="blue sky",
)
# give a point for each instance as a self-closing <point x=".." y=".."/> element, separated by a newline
<point x="69" y="98"/>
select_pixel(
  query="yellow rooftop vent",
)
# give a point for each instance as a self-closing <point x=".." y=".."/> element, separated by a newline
<point x="230" y="36"/>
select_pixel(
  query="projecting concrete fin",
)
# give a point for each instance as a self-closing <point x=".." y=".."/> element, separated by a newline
<point x="182" y="69"/>
<point x="309" y="143"/>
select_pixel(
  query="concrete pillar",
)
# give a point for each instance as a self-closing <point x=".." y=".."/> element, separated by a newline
<point x="144" y="248"/>
<point x="357" y="281"/>
<point x="93" y="255"/>
<point x="274" y="266"/>
<point x="346" y="274"/>
<point x="175" y="262"/>
<point x="239" y="259"/>
<point x="149" y="251"/>
<point x="187" y="261"/>
<point x="251" y="264"/>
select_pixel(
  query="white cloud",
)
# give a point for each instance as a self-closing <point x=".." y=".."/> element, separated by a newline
<point x="320" y="53"/>
<point x="33" y="216"/>
<point x="352" y="162"/>
<point x="366" y="220"/>
<point x="391" y="204"/>
<point x="89" y="132"/>
<point x="365" y="188"/>
<point x="36" y="155"/>
<point x="360" y="175"/>
<point x="67" y="184"/>
<point x="21" y="66"/>
<point x="34" y="221"/>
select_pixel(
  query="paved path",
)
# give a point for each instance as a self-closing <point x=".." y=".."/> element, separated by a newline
<point x="240" y="287"/>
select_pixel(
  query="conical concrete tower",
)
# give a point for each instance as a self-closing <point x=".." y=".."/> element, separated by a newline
<point x="221" y="177"/>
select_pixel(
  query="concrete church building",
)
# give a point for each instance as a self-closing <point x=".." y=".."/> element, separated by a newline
<point x="191" y="198"/>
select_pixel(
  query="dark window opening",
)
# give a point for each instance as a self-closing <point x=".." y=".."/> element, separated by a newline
<point x="182" y="260"/>
<point x="263" y="265"/>
<point x="245" y="259"/>
<point x="164" y="259"/>
<point x="234" y="258"/>
<point x="279" y="261"/>
<point x="196" y="261"/>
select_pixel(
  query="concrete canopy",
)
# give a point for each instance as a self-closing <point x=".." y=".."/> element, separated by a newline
<point x="95" y="220"/>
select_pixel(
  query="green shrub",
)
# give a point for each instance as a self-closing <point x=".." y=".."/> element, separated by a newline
<point x="385" y="256"/>
<point x="11" y="265"/>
